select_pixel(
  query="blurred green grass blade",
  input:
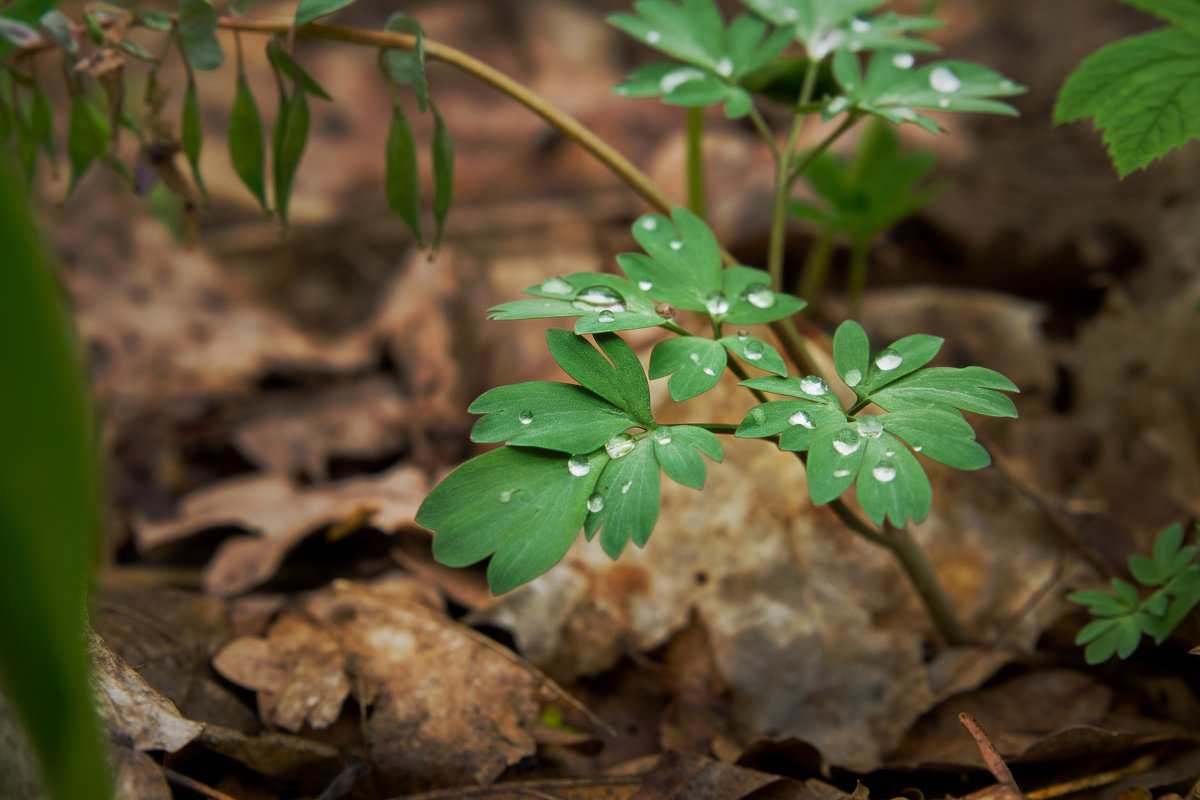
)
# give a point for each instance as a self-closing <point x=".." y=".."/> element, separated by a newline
<point x="48" y="510"/>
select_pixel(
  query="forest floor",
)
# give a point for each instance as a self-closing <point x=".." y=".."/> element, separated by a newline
<point x="276" y="408"/>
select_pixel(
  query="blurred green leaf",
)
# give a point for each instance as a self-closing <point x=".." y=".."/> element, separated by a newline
<point x="247" y="151"/>
<point x="443" y="176"/>
<point x="407" y="67"/>
<point x="285" y="65"/>
<point x="401" y="179"/>
<point x="88" y="133"/>
<point x="192" y="134"/>
<point x="198" y="34"/>
<point x="308" y="10"/>
<point x="287" y="144"/>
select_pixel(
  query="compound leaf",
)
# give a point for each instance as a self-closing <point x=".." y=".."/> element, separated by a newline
<point x="892" y="484"/>
<point x="793" y="420"/>
<point x="755" y="352"/>
<point x="974" y="389"/>
<point x="695" y="365"/>
<point x="556" y="416"/>
<point x="624" y="505"/>
<point x="683" y="266"/>
<point x="940" y="434"/>
<point x="619" y="378"/>
<point x="401" y="178"/>
<point x="676" y="448"/>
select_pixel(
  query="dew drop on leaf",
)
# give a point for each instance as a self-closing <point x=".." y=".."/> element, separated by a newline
<point x="649" y="223"/>
<point x="753" y="349"/>
<point x="919" y="447"/>
<point x="759" y="295"/>
<point x="800" y="418"/>
<point x="853" y="378"/>
<point x="846" y="441"/>
<point x="870" y="427"/>
<point x="944" y="103"/>
<point x="506" y="496"/>
<point x="625" y="489"/>
<point x="525" y="416"/>
<point x="812" y="385"/>
<point x="884" y="471"/>
<point x="725" y="67"/>
<point x="607" y="316"/>
<point x="663" y="436"/>
<point x="709" y="371"/>
<point x="903" y="60"/>
<point x="758" y="415"/>
<point x="645" y="286"/>
<point x="695" y="357"/>
<point x="676" y="245"/>
<point x="596" y="503"/>
<point x="669" y="83"/>
<point x="716" y="303"/>
<point x="653" y="37"/>
<point x="556" y="286"/>
<point x="841" y="473"/>
<point x="859" y="25"/>
<point x="943" y="80"/>
<point x="579" y="466"/>
<point x="888" y="360"/>
<point x="599" y="298"/>
<point x="838" y="104"/>
<point x="620" y="445"/>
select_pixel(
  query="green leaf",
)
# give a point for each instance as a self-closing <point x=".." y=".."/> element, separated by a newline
<point x="137" y="51"/>
<point x="407" y="67"/>
<point x="683" y="85"/>
<point x="94" y="28"/>
<point x="443" y="176"/>
<point x="624" y="505"/>
<point x="556" y="416"/>
<point x="793" y="420"/>
<point x="240" y="7"/>
<point x="826" y="26"/>
<point x="676" y="448"/>
<point x="1185" y="596"/>
<point x="61" y="30"/>
<point x="287" y="146"/>
<point x="308" y="10"/>
<point x="683" y="266"/>
<point x="750" y="298"/>
<point x="192" y="134"/>
<point x="695" y="365"/>
<point x="198" y="34"/>
<point x="88" y="133"/>
<point x="851" y="353"/>
<point x="285" y="65"/>
<point x="401" y="179"/>
<point x="940" y="434"/>
<point x="154" y="19"/>
<point x="1094" y="630"/>
<point x="834" y="457"/>
<point x="1146" y="572"/>
<point x="521" y="506"/>
<point x="246" y="148"/>
<point x="619" y="378"/>
<point x="755" y="352"/>
<point x="602" y="302"/>
<point x="1126" y="591"/>
<point x="892" y="484"/>
<point x="812" y="389"/>
<point x="1101" y="604"/>
<point x="971" y="389"/>
<point x="1167" y="545"/>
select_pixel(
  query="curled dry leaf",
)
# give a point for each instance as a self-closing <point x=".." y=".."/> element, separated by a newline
<point x="280" y="514"/>
<point x="446" y="705"/>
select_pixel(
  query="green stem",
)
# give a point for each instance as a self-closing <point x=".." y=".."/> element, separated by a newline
<point x="856" y="280"/>
<point x="695" y="162"/>
<point x="824" y="145"/>
<point x="723" y="428"/>
<point x="816" y="266"/>
<point x="778" y="239"/>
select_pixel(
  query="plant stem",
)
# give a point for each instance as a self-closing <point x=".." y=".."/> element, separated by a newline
<point x="856" y="279"/>
<point x="824" y="144"/>
<point x="723" y="428"/>
<point x="695" y="162"/>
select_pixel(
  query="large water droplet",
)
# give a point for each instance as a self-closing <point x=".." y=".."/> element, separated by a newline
<point x="579" y="466"/>
<point x="625" y="489"/>
<point x="653" y="37"/>
<point x="725" y="67"/>
<point x="709" y="371"/>
<point x="620" y="445"/>
<point x="859" y="25"/>
<point x="596" y="503"/>
<point x="853" y="378"/>
<point x="645" y="286"/>
<point x="800" y="418"/>
<point x="837" y="105"/>
<point x="753" y="350"/>
<point x="841" y="473"/>
<point x="918" y="447"/>
<point x="716" y="303"/>
<point x="676" y="245"/>
<point x="903" y="60"/>
<point x="604" y="297"/>
<point x="870" y="427"/>
<point x="649" y="223"/>
<point x="695" y="357"/>
<point x="506" y="496"/>
<point x="888" y="360"/>
<point x="556" y="286"/>
<point x="663" y="435"/>
<point x="759" y="295"/>
<point x="846" y="441"/>
<point x="812" y="385"/>
<point x="525" y="416"/>
<point x="665" y="310"/>
<point x="607" y="316"/>
<point x="884" y="471"/>
<point x="943" y="80"/>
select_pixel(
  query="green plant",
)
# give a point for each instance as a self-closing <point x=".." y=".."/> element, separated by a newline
<point x="1142" y="90"/>
<point x="1124" y="615"/>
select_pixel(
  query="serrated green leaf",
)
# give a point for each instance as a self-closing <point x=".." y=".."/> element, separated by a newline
<point x="1142" y="93"/>
<point x="555" y="416"/>
<point x="443" y="176"/>
<point x="192" y="134"/>
<point x="247" y="152"/>
<point x="613" y="373"/>
<point x="892" y="484"/>
<point x="287" y="145"/>
<point x="308" y="10"/>
<point x="851" y="353"/>
<point x="974" y="389"/>
<point x="1167" y="545"/>
<point x="407" y="67"/>
<point x="522" y="506"/>
<point x="197" y="34"/>
<point x="755" y="352"/>
<point x="402" y="180"/>
<point x="940" y="434"/>
<point x="695" y="365"/>
<point x="1145" y="571"/>
<point x="676" y="448"/>
<point x="88" y="133"/>
<point x="750" y="298"/>
<point x="625" y="503"/>
<point x="284" y="65"/>
<point x="811" y="388"/>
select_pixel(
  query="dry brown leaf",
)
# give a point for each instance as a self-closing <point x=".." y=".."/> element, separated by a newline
<point x="276" y="755"/>
<point x="447" y="706"/>
<point x="280" y="514"/>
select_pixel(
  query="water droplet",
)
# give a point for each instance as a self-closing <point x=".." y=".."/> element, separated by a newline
<point x="676" y="245"/>
<point x="1007" y="85"/>
<point x="506" y="496"/>
<point x="919" y="447"/>
<point x="853" y="378"/>
<point x="791" y="14"/>
<point x="884" y="471"/>
<point x="607" y="316"/>
<point x="944" y="103"/>
<point x="525" y="416"/>
<point x="759" y="295"/>
<point x="599" y="298"/>
<point x="620" y="445"/>
<point x="814" y="386"/>
<point x="596" y="503"/>
<point x="743" y="335"/>
<point x="904" y="112"/>
<point x="753" y="350"/>
<point x="556" y="286"/>
<point x="757" y="415"/>
<point x="653" y="37"/>
<point x="826" y="44"/>
<point x="841" y="473"/>
<point x="649" y="223"/>
<point x="870" y="427"/>
<point x="943" y="80"/>
<point x="846" y="441"/>
<point x="801" y="418"/>
<point x="579" y="466"/>
<point x="665" y="310"/>
<point x="890" y="453"/>
<point x="725" y="67"/>
<point x="859" y="25"/>
<point x="645" y="286"/>
<point x="621" y="90"/>
<point x="716" y="303"/>
<point x="837" y="105"/>
<point x="888" y="360"/>
<point x="695" y="357"/>
<point x="672" y="81"/>
<point x="663" y="435"/>
<point x="903" y="60"/>
<point x="709" y="371"/>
